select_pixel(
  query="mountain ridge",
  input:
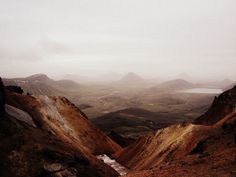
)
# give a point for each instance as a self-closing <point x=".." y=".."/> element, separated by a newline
<point x="49" y="149"/>
<point x="221" y="106"/>
<point x="186" y="148"/>
<point x="176" y="84"/>
<point x="41" y="84"/>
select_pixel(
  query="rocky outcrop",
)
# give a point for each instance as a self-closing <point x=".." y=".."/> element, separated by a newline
<point x="221" y="106"/>
<point x="19" y="115"/>
<point x="2" y="98"/>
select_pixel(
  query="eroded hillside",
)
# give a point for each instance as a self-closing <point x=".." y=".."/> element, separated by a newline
<point x="187" y="149"/>
<point x="60" y="117"/>
<point x="42" y="136"/>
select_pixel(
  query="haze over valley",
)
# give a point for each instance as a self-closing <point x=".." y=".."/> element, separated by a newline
<point x="131" y="106"/>
<point x="110" y="88"/>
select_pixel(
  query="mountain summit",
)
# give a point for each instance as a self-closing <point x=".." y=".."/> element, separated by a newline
<point x="38" y="77"/>
<point x="132" y="79"/>
<point x="176" y="84"/>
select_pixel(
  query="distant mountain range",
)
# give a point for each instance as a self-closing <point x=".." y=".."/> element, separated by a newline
<point x="49" y="136"/>
<point x="176" y="84"/>
<point x="41" y="84"/>
<point x="103" y="78"/>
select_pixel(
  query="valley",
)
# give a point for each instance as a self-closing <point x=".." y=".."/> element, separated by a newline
<point x="117" y="88"/>
<point x="131" y="110"/>
<point x="132" y="142"/>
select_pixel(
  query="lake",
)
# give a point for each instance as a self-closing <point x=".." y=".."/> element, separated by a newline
<point x="202" y="90"/>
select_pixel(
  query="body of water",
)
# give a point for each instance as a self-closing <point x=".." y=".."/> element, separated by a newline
<point x="202" y="90"/>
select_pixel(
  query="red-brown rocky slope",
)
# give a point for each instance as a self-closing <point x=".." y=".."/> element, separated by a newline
<point x="188" y="149"/>
<point x="61" y="118"/>
<point x="54" y="147"/>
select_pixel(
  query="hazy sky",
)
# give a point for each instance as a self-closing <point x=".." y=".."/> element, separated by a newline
<point x="90" y="37"/>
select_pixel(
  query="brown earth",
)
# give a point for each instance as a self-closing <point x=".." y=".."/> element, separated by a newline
<point x="221" y="106"/>
<point x="30" y="152"/>
<point x="187" y="149"/>
<point x="60" y="117"/>
<point x="63" y="143"/>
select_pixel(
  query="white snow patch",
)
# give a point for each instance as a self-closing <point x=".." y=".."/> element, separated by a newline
<point x="19" y="115"/>
<point x="112" y="163"/>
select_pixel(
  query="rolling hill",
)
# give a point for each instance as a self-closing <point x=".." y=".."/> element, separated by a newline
<point x="135" y="122"/>
<point x="132" y="79"/>
<point x="177" y="84"/>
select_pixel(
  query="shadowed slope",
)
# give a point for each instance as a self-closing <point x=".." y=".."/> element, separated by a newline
<point x="221" y="106"/>
<point x="26" y="151"/>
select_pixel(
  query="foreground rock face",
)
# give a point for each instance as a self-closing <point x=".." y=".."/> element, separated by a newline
<point x="26" y="151"/>
<point x="60" y="117"/>
<point x="187" y="149"/>
<point x="54" y="144"/>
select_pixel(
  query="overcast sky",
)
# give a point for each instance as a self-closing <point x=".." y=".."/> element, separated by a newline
<point x="91" y="37"/>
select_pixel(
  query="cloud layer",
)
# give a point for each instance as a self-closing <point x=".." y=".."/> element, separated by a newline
<point x="155" y="37"/>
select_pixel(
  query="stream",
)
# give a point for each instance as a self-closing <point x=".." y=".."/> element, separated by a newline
<point x="113" y="164"/>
